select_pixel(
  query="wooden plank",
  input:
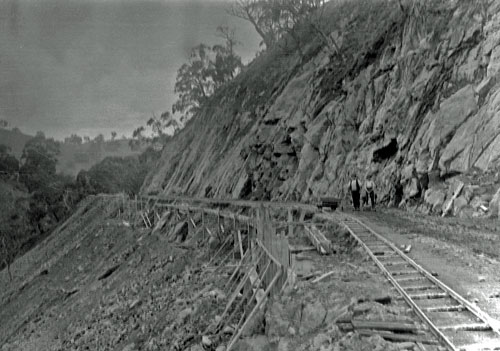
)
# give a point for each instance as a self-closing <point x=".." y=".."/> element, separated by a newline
<point x="250" y="316"/>
<point x="301" y="248"/>
<point x="240" y="244"/>
<point x="323" y="276"/>
<point x="450" y="202"/>
<point x="398" y="336"/>
<point x="384" y="325"/>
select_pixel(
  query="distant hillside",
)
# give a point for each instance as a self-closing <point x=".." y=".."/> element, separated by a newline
<point x="73" y="157"/>
<point x="15" y="140"/>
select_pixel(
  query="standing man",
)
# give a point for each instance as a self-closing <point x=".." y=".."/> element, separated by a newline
<point x="370" y="190"/>
<point x="355" y="188"/>
<point x="398" y="191"/>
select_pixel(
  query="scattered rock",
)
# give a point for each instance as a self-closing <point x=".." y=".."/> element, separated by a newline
<point x="313" y="316"/>
<point x="320" y="340"/>
<point x="180" y="231"/>
<point x="205" y="340"/>
<point x="481" y="278"/>
<point x="183" y="315"/>
<point x="130" y="347"/>
<point x="254" y="343"/>
<point x="135" y="303"/>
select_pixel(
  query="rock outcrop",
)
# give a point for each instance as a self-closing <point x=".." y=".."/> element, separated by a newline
<point x="419" y="93"/>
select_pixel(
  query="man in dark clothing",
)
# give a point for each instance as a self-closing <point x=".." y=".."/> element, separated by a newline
<point x="355" y="188"/>
<point x="364" y="199"/>
<point x="424" y="183"/>
<point x="398" y="192"/>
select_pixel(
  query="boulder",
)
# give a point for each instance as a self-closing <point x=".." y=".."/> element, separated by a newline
<point x="316" y="130"/>
<point x="320" y="340"/>
<point x="130" y="347"/>
<point x="286" y="344"/>
<point x="255" y="325"/>
<point x="180" y="231"/>
<point x="413" y="188"/>
<point x="313" y="316"/>
<point x="434" y="198"/>
<point x="476" y="202"/>
<point x="458" y="204"/>
<point x="278" y="320"/>
<point x="467" y="212"/>
<point x="254" y="343"/>
<point x="406" y="173"/>
<point x="283" y="149"/>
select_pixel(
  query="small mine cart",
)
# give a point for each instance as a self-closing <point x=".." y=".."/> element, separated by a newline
<point x="331" y="202"/>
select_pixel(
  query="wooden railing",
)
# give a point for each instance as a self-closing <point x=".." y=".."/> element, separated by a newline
<point x="264" y="256"/>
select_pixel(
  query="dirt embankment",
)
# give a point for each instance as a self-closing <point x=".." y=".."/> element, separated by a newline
<point x="98" y="283"/>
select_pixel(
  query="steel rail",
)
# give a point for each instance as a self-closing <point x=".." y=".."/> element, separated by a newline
<point x="400" y="289"/>
<point x="473" y="309"/>
<point x="466" y="305"/>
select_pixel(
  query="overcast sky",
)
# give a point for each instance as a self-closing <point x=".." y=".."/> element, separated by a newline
<point x="90" y="67"/>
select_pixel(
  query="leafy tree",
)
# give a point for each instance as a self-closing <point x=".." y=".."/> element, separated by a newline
<point x="9" y="244"/>
<point x="160" y="126"/>
<point x="113" y="175"/>
<point x="8" y="164"/>
<point x="74" y="139"/>
<point x="3" y="123"/>
<point x="86" y="139"/>
<point x="272" y="19"/>
<point x="137" y="138"/>
<point x="263" y="15"/>
<point x="39" y="159"/>
<point x="208" y="69"/>
<point x="99" y="139"/>
<point x="113" y="135"/>
<point x="14" y="226"/>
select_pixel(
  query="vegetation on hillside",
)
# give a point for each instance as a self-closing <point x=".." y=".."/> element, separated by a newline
<point x="34" y="197"/>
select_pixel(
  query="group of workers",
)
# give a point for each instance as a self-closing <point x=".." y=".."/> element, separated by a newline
<point x="369" y="192"/>
<point x="418" y="185"/>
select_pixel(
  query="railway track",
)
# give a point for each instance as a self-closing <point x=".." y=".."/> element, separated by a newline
<point x="456" y="323"/>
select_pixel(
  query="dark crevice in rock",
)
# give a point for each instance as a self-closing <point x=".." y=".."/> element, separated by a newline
<point x="108" y="272"/>
<point x="386" y="152"/>
<point x="450" y="174"/>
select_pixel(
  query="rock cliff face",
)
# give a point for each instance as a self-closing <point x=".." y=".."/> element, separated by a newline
<point x="418" y="90"/>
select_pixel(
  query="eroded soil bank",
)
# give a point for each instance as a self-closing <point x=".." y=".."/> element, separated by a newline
<point x="99" y="283"/>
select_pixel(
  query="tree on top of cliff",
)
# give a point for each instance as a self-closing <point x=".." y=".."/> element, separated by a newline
<point x="208" y="69"/>
<point x="274" y="18"/>
<point x="262" y="15"/>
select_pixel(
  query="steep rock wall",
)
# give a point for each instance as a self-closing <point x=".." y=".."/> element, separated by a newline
<point x="420" y="92"/>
